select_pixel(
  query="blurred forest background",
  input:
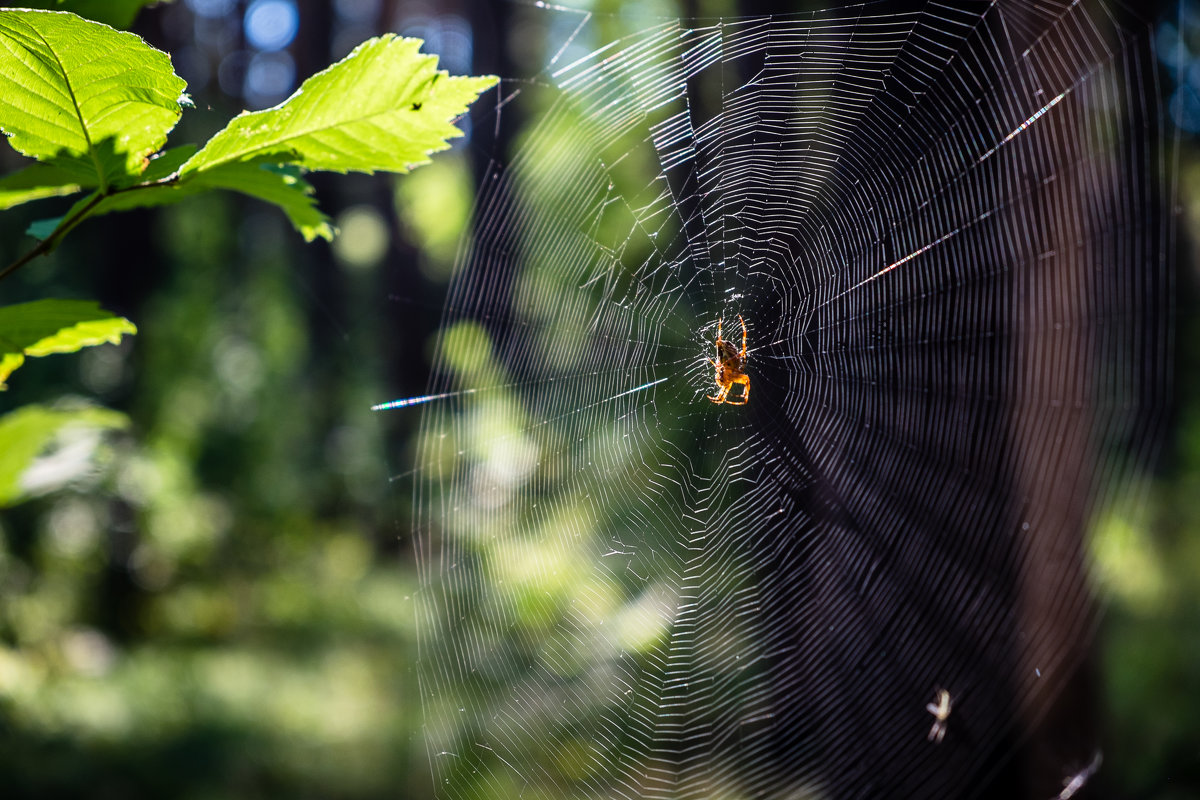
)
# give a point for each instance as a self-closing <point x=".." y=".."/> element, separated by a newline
<point x="218" y="603"/>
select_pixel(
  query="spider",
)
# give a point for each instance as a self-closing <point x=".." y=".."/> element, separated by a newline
<point x="941" y="712"/>
<point x="730" y="366"/>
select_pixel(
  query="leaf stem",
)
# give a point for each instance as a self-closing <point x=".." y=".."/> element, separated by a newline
<point x="65" y="225"/>
<point x="48" y="244"/>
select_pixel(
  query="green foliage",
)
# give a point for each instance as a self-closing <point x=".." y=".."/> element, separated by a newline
<point x="54" y="326"/>
<point x="383" y="107"/>
<point x="259" y="640"/>
<point x="90" y="100"/>
<point x="117" y="13"/>
<point x="94" y="105"/>
<point x="35" y="182"/>
<point x="279" y="184"/>
<point x="27" y="431"/>
<point x="211" y="615"/>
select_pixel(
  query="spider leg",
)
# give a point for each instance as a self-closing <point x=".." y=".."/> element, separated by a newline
<point x="745" y="395"/>
<point x="743" y="335"/>
<point x="720" y="398"/>
<point x="717" y="399"/>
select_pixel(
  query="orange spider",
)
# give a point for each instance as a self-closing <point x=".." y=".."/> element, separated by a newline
<point x="730" y="366"/>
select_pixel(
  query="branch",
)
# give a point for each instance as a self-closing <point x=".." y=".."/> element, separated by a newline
<point x="51" y="241"/>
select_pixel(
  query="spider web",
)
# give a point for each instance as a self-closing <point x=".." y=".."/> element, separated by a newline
<point x="948" y="233"/>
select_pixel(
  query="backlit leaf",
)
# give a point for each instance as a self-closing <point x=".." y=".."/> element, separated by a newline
<point x="383" y="107"/>
<point x="93" y="100"/>
<point x="35" y="182"/>
<point x="43" y="327"/>
<point x="282" y="186"/>
<point x="160" y="166"/>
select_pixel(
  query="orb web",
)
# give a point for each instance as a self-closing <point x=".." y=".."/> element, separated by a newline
<point x="948" y="233"/>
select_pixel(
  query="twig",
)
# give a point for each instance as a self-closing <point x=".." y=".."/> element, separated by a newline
<point x="47" y="244"/>
<point x="51" y="241"/>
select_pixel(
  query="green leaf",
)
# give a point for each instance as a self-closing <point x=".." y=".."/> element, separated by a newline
<point x="276" y="184"/>
<point x="26" y="432"/>
<point x="168" y="162"/>
<point x="383" y="107"/>
<point x="160" y="166"/>
<point x="43" y="229"/>
<point x="8" y="364"/>
<point x="54" y="326"/>
<point x="35" y="182"/>
<point x="94" y="101"/>
<point x="117" y="13"/>
<point x="40" y="229"/>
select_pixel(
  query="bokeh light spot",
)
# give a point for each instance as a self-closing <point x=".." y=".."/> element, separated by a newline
<point x="434" y="205"/>
<point x="269" y="78"/>
<point x="468" y="347"/>
<point x="211" y="8"/>
<point x="271" y="24"/>
<point x="357" y="10"/>
<point x="363" y="240"/>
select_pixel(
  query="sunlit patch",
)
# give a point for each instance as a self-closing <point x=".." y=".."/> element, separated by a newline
<point x="643" y="624"/>
<point x="434" y="204"/>
<point x="467" y="348"/>
<point x="1127" y="562"/>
